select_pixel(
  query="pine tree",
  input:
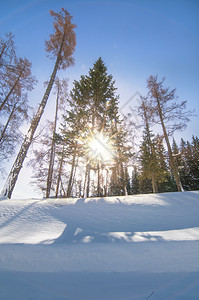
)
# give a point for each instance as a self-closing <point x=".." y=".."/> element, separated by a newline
<point x="61" y="45"/>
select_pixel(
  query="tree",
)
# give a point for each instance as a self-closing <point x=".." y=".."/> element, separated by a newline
<point x="7" y="50"/>
<point x="195" y="163"/>
<point x="169" y="113"/>
<point x="148" y="157"/>
<point x="94" y="102"/>
<point x="189" y="163"/>
<point x="61" y="87"/>
<point x="40" y="156"/>
<point x="135" y="181"/>
<point x="16" y="80"/>
<point x="7" y="57"/>
<point x="61" y="45"/>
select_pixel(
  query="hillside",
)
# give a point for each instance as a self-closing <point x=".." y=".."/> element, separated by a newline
<point x="133" y="247"/>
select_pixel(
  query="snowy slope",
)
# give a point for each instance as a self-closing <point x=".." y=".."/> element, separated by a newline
<point x="134" y="247"/>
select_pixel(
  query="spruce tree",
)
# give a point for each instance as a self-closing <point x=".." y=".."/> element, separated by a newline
<point x="94" y="99"/>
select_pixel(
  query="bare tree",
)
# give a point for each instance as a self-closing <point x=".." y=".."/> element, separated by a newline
<point x="61" y="87"/>
<point x="61" y="45"/>
<point x="170" y="114"/>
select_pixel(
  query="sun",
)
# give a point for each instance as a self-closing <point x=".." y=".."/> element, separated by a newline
<point x="99" y="148"/>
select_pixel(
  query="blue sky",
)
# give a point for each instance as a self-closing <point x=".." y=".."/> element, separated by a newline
<point x="135" y="38"/>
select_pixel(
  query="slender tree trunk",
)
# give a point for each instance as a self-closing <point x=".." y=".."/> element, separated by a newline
<point x="62" y="186"/>
<point x="106" y="184"/>
<point x="60" y="172"/>
<point x="87" y="181"/>
<point x="80" y="189"/>
<point x="154" y="184"/>
<point x="74" y="174"/>
<point x="171" y="158"/>
<point x="121" y="173"/>
<point x="7" y="123"/>
<point x="16" y="168"/>
<point x="52" y="151"/>
<point x="71" y="175"/>
<point x="98" y="180"/>
<point x="124" y="189"/>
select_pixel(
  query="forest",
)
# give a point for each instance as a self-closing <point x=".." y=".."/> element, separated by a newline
<point x="87" y="147"/>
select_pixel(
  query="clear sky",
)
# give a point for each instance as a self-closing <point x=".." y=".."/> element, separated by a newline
<point x="135" y="38"/>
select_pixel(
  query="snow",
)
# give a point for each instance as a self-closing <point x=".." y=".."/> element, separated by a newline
<point x="125" y="248"/>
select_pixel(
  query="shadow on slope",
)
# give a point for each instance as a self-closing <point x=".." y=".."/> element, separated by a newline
<point x="131" y="219"/>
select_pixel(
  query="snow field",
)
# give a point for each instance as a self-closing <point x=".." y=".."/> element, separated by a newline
<point x="122" y="248"/>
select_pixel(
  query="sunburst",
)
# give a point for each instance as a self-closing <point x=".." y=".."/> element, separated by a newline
<point x="99" y="148"/>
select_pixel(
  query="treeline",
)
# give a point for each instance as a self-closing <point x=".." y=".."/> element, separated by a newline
<point x="186" y="157"/>
<point x="88" y="147"/>
<point x="94" y="149"/>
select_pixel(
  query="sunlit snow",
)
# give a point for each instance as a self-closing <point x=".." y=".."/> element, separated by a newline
<point x="132" y="246"/>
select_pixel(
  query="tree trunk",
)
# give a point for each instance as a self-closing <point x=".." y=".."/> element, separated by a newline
<point x="98" y="180"/>
<point x="74" y="174"/>
<point x="171" y="158"/>
<point x="154" y="184"/>
<point x="71" y="175"/>
<point x="52" y="152"/>
<point x="16" y="168"/>
<point x="87" y="181"/>
<point x="106" y="184"/>
<point x="123" y="180"/>
<point x="59" y="174"/>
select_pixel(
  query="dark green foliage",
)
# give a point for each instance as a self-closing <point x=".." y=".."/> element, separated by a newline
<point x="135" y="186"/>
<point x="189" y="163"/>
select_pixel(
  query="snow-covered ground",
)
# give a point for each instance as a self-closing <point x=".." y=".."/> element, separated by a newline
<point x="116" y="248"/>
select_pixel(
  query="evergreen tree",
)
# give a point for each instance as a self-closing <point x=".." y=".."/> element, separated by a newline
<point x="195" y="162"/>
<point x="148" y="157"/>
<point x="94" y="102"/>
<point x="135" y="182"/>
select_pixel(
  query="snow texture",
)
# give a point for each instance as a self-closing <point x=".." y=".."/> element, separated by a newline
<point x="125" y="248"/>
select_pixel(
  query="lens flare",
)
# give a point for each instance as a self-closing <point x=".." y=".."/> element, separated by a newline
<point x="99" y="148"/>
